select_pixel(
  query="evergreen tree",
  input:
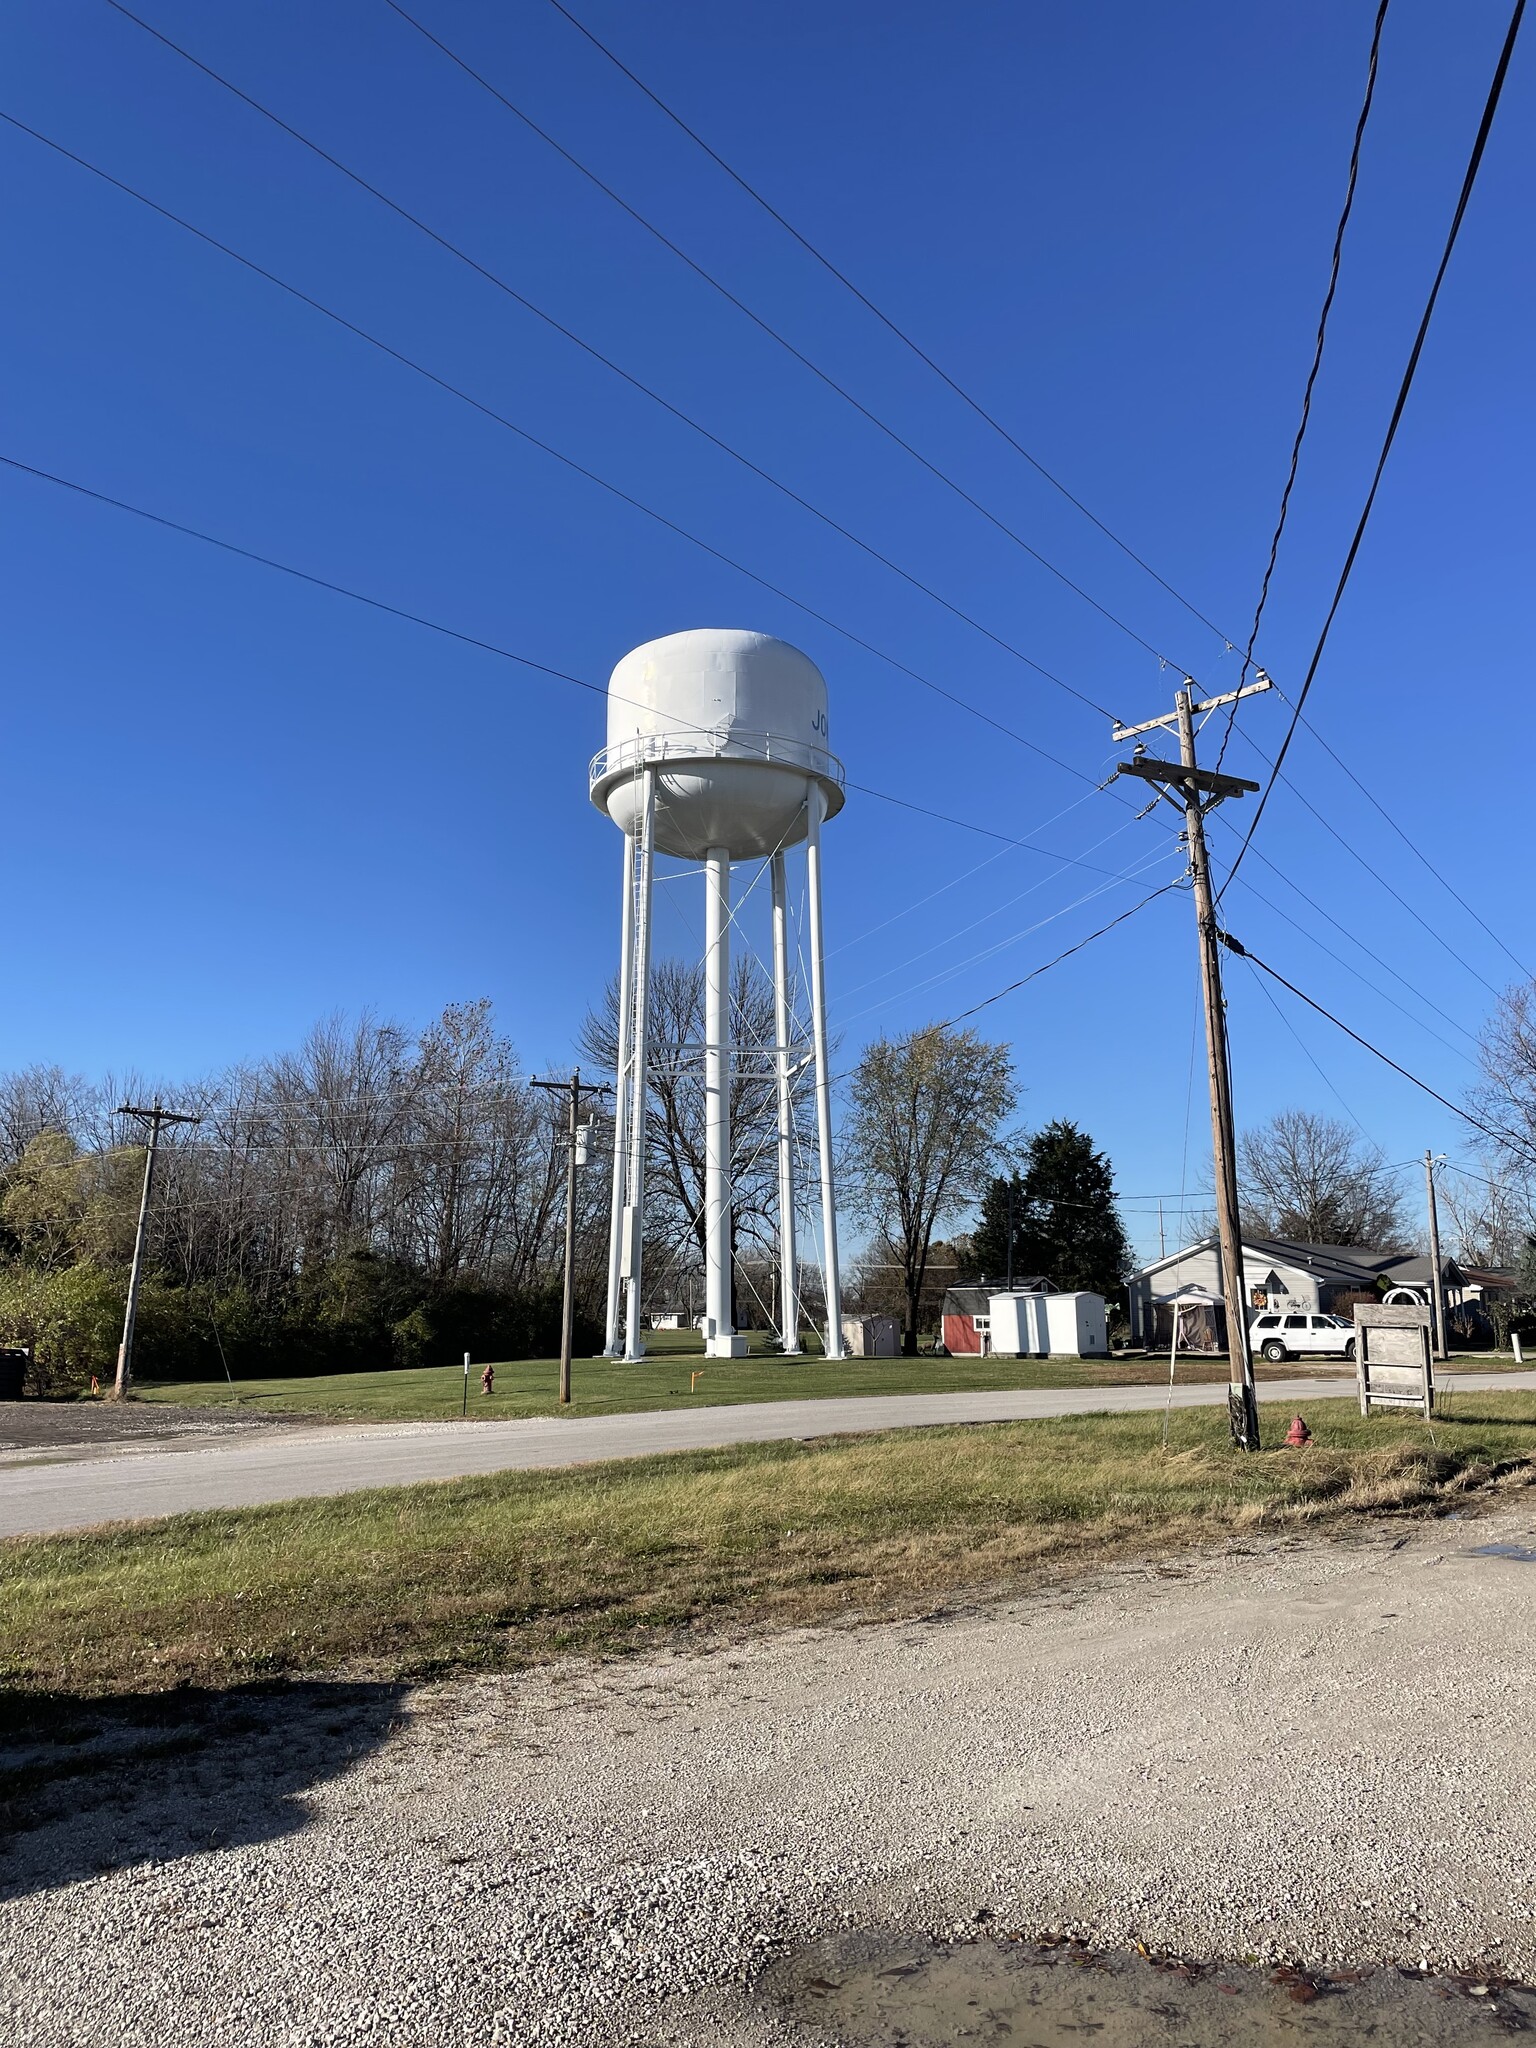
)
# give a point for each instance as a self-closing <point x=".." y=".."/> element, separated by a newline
<point x="1068" y="1226"/>
<point x="989" y="1240"/>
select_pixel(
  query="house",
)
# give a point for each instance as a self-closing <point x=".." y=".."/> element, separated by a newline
<point x="1279" y="1273"/>
<point x="965" y="1328"/>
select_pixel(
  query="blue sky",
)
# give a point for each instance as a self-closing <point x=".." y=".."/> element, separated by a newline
<point x="237" y="804"/>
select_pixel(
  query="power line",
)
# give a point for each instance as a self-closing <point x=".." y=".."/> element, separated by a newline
<point x="608" y="362"/>
<point x="981" y="412"/>
<point x="1498" y="1137"/>
<point x="473" y="640"/>
<point x="1317" y="364"/>
<point x="1264" y="989"/>
<point x="709" y="278"/>
<point x="1474" y="163"/>
<point x="887" y="322"/>
<point x="547" y="448"/>
<point x="1035" y="973"/>
<point x="1412" y="845"/>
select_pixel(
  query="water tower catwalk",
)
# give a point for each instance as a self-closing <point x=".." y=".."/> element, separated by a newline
<point x="717" y="752"/>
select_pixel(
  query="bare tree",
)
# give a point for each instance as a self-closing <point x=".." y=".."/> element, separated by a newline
<point x="1506" y="1099"/>
<point x="1313" y="1179"/>
<point x="675" y="1112"/>
<point x="34" y="1100"/>
<point x="923" y="1140"/>
<point x="1487" y="1221"/>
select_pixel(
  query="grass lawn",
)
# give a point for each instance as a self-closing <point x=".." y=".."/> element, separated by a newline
<point x="500" y="1571"/>
<point x="677" y="1375"/>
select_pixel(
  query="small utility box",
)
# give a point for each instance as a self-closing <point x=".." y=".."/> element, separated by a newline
<point x="1394" y="1357"/>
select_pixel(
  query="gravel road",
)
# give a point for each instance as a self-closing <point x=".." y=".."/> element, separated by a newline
<point x="301" y="1463"/>
<point x="1307" y="1750"/>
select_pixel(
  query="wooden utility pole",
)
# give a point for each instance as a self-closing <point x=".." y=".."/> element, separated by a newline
<point x="1436" y="1292"/>
<point x="154" y="1116"/>
<point x="573" y="1089"/>
<point x="1197" y="790"/>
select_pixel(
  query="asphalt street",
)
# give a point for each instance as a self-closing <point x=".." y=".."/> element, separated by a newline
<point x="78" y="1487"/>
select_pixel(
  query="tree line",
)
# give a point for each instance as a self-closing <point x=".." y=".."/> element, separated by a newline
<point x="383" y="1196"/>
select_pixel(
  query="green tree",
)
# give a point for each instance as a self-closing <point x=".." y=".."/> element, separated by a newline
<point x="1001" y="1217"/>
<point x="927" y="1125"/>
<point x="1068" y="1226"/>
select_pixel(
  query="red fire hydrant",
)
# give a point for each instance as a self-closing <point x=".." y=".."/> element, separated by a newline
<point x="1298" y="1434"/>
<point x="488" y="1380"/>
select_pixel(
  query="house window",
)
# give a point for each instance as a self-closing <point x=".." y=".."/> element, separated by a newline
<point x="981" y="1324"/>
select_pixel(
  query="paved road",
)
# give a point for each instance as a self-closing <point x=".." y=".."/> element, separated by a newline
<point x="41" y="1495"/>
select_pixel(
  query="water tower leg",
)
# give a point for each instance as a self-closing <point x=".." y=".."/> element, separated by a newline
<point x="611" y="1345"/>
<point x="789" y="1276"/>
<point x="721" y="1340"/>
<point x="815" y="805"/>
<point x="634" y="1215"/>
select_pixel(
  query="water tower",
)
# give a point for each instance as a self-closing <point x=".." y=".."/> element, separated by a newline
<point x="717" y="752"/>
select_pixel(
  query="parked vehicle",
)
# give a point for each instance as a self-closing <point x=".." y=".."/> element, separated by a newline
<point x="1280" y="1337"/>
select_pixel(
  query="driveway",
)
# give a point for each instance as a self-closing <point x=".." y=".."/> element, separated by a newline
<point x="93" y="1485"/>
<point x="1294" y="1750"/>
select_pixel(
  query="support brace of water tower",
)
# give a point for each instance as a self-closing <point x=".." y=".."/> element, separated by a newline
<point x="783" y="1056"/>
<point x="816" y="804"/>
<point x="720" y="1337"/>
<point x="626" y="1244"/>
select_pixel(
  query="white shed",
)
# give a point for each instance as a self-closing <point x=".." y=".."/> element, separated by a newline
<point x="1049" y="1325"/>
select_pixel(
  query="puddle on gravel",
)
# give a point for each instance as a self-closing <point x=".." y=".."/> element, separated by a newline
<point x="869" y="1993"/>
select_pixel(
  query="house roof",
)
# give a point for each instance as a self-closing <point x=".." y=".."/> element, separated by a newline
<point x="1336" y="1265"/>
<point x="1498" y="1278"/>
<point x="967" y="1301"/>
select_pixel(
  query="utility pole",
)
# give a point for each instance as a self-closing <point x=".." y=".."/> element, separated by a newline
<point x="1436" y="1292"/>
<point x="1009" y="1282"/>
<point x="155" y="1117"/>
<point x="1198" y="791"/>
<point x="573" y="1089"/>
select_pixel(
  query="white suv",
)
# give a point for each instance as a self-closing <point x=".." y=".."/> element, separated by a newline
<point x="1279" y="1337"/>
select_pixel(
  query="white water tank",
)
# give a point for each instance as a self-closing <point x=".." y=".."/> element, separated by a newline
<point x="736" y="724"/>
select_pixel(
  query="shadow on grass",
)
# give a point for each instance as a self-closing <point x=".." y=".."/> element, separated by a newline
<point x="92" y="1786"/>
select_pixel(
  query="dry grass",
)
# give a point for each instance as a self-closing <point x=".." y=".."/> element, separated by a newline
<point x="522" y="1566"/>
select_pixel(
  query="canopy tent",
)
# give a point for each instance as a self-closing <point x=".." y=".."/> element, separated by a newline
<point x="1193" y="1320"/>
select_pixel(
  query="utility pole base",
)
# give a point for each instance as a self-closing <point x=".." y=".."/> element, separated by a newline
<point x="1243" y="1417"/>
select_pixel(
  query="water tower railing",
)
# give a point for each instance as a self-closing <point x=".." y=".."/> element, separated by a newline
<point x="724" y="743"/>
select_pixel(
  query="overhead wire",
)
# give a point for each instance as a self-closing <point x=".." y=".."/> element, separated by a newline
<point x="1469" y="180"/>
<point x="1413" y="846"/>
<point x="1503" y="1138"/>
<point x="558" y="455"/>
<point x="1312" y="374"/>
<point x="558" y="326"/>
<point x="973" y="403"/>
<point x="472" y="640"/>
<point x="773" y="333"/>
<point x="968" y="399"/>
<point x="1024" y="980"/>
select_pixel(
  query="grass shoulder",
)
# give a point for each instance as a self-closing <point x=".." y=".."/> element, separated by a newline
<point x="675" y="1375"/>
<point x="511" y="1569"/>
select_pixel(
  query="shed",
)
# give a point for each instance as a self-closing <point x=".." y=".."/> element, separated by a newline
<point x="966" y="1323"/>
<point x="872" y="1336"/>
<point x="1030" y="1324"/>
